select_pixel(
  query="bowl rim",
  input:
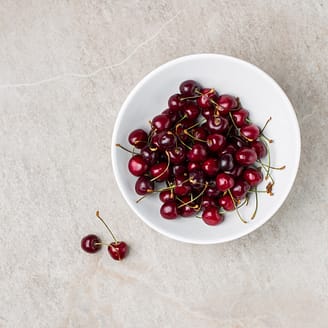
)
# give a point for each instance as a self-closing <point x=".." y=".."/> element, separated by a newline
<point x="121" y="113"/>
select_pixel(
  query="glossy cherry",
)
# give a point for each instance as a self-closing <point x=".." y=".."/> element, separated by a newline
<point x="182" y="186"/>
<point x="137" y="165"/>
<point x="260" y="148"/>
<point x="217" y="124"/>
<point x="175" y="102"/>
<point x="226" y="162"/>
<point x="253" y="176"/>
<point x="239" y="116"/>
<point x="166" y="195"/>
<point x="211" y="167"/>
<point x="188" y="88"/>
<point x="206" y="98"/>
<point x="144" y="185"/>
<point x="246" y="156"/>
<point x="160" y="171"/>
<point x="250" y="132"/>
<point x="117" y="249"/>
<point x="138" y="138"/>
<point x="177" y="155"/>
<point x="191" y="111"/>
<point x="211" y="216"/>
<point x="226" y="104"/>
<point x="169" y="210"/>
<point x="208" y="201"/>
<point x="161" y="122"/>
<point x="198" y="153"/>
<point x="215" y="142"/>
<point x="240" y="189"/>
<point x="226" y="202"/>
<point x="149" y="155"/>
<point x="224" y="182"/>
<point x="91" y="243"/>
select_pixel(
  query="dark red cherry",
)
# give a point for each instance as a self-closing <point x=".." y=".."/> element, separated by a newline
<point x="227" y="162"/>
<point x="197" y="179"/>
<point x="207" y="112"/>
<point x="179" y="130"/>
<point x="188" y="88"/>
<point x="245" y="156"/>
<point x="253" y="176"/>
<point x="192" y="166"/>
<point x="188" y="209"/>
<point x="199" y="133"/>
<point x="260" y="148"/>
<point x="208" y="201"/>
<point x="91" y="243"/>
<point x="177" y="155"/>
<point x="240" y="189"/>
<point x="224" y="182"/>
<point x="238" y="142"/>
<point x="118" y="250"/>
<point x="211" y="167"/>
<point x="169" y="210"/>
<point x="137" y="165"/>
<point x="237" y="171"/>
<point x="160" y="171"/>
<point x="161" y="122"/>
<point x="250" y="132"/>
<point x="182" y="186"/>
<point x="179" y="170"/>
<point x="240" y="116"/>
<point x="173" y="115"/>
<point x="217" y="124"/>
<point x="211" y="216"/>
<point x="226" y="104"/>
<point x="138" y="138"/>
<point x="166" y="195"/>
<point x="206" y="98"/>
<point x="212" y="190"/>
<point x="165" y="140"/>
<point x="215" y="142"/>
<point x="198" y="153"/>
<point x="175" y="102"/>
<point x="150" y="156"/>
<point x="229" y="149"/>
<point x="144" y="185"/>
<point x="226" y="203"/>
<point x="191" y="111"/>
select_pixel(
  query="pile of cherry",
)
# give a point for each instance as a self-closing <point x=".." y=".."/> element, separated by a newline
<point x="201" y="155"/>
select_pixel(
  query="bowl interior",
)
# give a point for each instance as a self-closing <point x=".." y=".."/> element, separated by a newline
<point x="257" y="92"/>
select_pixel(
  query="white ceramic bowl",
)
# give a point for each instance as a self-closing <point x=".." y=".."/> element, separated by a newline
<point x="258" y="93"/>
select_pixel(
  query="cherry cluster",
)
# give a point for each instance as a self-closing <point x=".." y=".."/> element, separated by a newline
<point x="204" y="148"/>
<point x="92" y="243"/>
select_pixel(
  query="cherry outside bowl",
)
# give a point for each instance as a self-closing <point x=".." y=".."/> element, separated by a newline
<point x="258" y="93"/>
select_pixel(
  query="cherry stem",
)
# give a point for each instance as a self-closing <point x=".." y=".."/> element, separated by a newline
<point x="167" y="167"/>
<point x="233" y="121"/>
<point x="265" y="125"/>
<point x="185" y="131"/>
<point x="177" y="134"/>
<point x="128" y="150"/>
<point x="273" y="167"/>
<point x="110" y="231"/>
<point x="193" y="199"/>
<point x="266" y="138"/>
<point x="236" y="207"/>
<point x="196" y="124"/>
<point x="97" y="244"/>
<point x="256" y="204"/>
<point x="191" y="97"/>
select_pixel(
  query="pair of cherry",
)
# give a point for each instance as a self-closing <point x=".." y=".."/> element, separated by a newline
<point x="92" y="243"/>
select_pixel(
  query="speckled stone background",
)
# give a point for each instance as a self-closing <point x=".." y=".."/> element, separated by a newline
<point x="65" y="69"/>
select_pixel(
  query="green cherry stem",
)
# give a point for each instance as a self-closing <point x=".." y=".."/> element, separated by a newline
<point x="236" y="207"/>
<point x="110" y="231"/>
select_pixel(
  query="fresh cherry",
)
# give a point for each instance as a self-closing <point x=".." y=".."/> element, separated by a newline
<point x="188" y="88"/>
<point x="206" y="98"/>
<point x="253" y="176"/>
<point x="215" y="142"/>
<point x="137" y="165"/>
<point x="118" y="250"/>
<point x="138" y="138"/>
<point x="239" y="117"/>
<point x="246" y="156"/>
<point x="226" y="202"/>
<point x="144" y="185"/>
<point x="161" y="122"/>
<point x="211" y="216"/>
<point x="169" y="210"/>
<point x="226" y="104"/>
<point x="259" y="148"/>
<point x="240" y="189"/>
<point x="198" y="153"/>
<point x="224" y="181"/>
<point x="91" y="243"/>
<point x="250" y="132"/>
<point x="211" y="167"/>
<point x="191" y="111"/>
<point x="175" y="102"/>
<point x="217" y="124"/>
